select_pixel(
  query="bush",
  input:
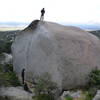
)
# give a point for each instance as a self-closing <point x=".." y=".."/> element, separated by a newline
<point x="8" y="67"/>
<point x="45" y="86"/>
<point x="13" y="79"/>
<point x="88" y="96"/>
<point x="69" y="97"/>
<point x="5" y="46"/>
<point x="43" y="97"/>
<point x="8" y="78"/>
<point x="94" y="83"/>
<point x="94" y="78"/>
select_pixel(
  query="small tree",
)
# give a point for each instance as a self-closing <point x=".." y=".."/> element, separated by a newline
<point x="44" y="85"/>
<point x="94" y="77"/>
<point x="94" y="82"/>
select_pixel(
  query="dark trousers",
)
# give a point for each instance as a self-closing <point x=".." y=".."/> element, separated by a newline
<point x="22" y="80"/>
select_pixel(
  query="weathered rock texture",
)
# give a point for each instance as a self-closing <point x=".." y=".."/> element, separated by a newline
<point x="14" y="93"/>
<point x="97" y="96"/>
<point x="67" y="53"/>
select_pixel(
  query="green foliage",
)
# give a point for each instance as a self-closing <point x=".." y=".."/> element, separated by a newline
<point x="43" y="97"/>
<point x="8" y="78"/>
<point x="69" y="97"/>
<point x="94" y="83"/>
<point x="13" y="79"/>
<point x="9" y="67"/>
<point x="45" y="89"/>
<point x="88" y="96"/>
<point x="6" y="46"/>
<point x="92" y="91"/>
<point x="1" y="68"/>
<point x="45" y="85"/>
<point x="94" y="77"/>
<point x="6" y="39"/>
<point x="2" y="57"/>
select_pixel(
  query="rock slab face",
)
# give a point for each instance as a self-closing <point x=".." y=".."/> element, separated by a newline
<point x="14" y="93"/>
<point x="67" y="53"/>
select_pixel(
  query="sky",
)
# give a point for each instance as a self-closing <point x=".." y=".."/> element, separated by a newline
<point x="65" y="11"/>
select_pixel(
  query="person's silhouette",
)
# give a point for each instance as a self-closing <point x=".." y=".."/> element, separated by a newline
<point x="23" y="75"/>
<point x="42" y="14"/>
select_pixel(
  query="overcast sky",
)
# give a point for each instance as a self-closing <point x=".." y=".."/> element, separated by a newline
<point x="67" y="11"/>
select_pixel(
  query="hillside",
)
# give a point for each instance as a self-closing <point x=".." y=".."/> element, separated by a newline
<point x="97" y="33"/>
<point x="6" y="39"/>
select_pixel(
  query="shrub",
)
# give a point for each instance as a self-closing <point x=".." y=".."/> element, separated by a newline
<point x="94" y="83"/>
<point x="5" y="47"/>
<point x="68" y="97"/>
<point x="88" y="96"/>
<point x="45" y="86"/>
<point x="43" y="97"/>
<point x="8" y="78"/>
<point x="94" y="78"/>
<point x="13" y="79"/>
<point x="8" y="67"/>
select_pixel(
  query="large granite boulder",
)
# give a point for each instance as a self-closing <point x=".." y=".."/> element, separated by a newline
<point x="67" y="53"/>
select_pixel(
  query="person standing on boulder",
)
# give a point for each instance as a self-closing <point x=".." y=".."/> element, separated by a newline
<point x="23" y="75"/>
<point x="42" y="14"/>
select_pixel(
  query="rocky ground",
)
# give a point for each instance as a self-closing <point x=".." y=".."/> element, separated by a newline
<point x="14" y="93"/>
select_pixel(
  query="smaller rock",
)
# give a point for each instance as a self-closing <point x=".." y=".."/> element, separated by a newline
<point x="7" y="58"/>
<point x="75" y="95"/>
<point x="14" y="93"/>
<point x="65" y="93"/>
<point x="97" y="96"/>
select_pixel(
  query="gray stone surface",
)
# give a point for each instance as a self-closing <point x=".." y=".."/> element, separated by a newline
<point x="67" y="53"/>
<point x="97" y="96"/>
<point x="76" y="95"/>
<point x="14" y="93"/>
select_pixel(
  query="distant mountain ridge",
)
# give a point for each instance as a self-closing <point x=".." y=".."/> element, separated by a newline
<point x="13" y="24"/>
<point x="88" y="26"/>
<point x="92" y="26"/>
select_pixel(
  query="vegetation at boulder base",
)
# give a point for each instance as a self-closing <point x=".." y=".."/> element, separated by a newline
<point x="94" y="78"/>
<point x="45" y="88"/>
<point x="68" y="97"/>
<point x="7" y="75"/>
<point x="43" y="97"/>
<point x="8" y="78"/>
<point x="93" y="84"/>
